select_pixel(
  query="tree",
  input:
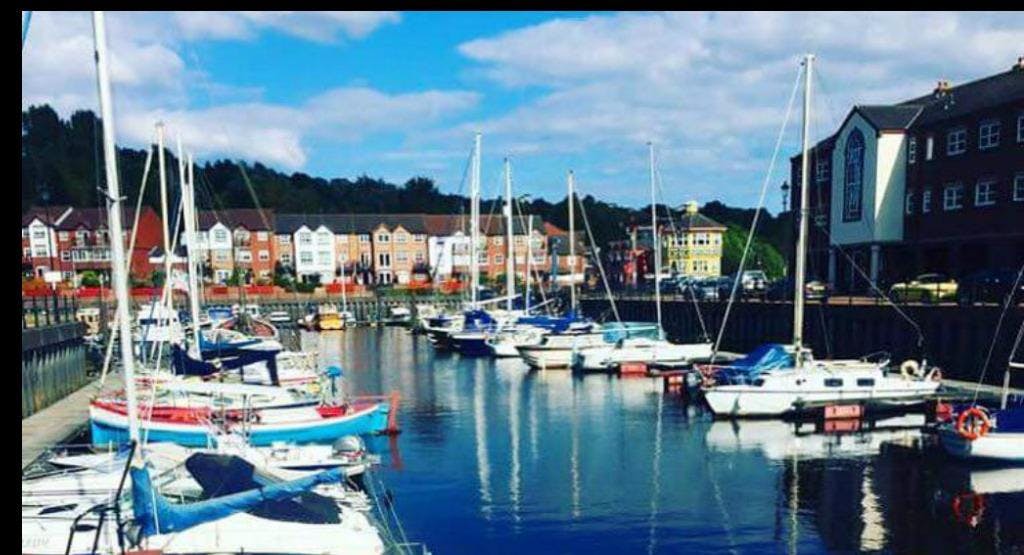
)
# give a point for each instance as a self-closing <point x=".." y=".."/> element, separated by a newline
<point x="90" y="279"/>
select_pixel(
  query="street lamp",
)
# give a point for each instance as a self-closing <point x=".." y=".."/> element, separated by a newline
<point x="785" y="195"/>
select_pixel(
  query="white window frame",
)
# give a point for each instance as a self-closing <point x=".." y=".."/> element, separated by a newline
<point x="908" y="204"/>
<point x="1020" y="128"/>
<point x="65" y="256"/>
<point x="912" y="150"/>
<point x="401" y="238"/>
<point x="929" y="147"/>
<point x="401" y="257"/>
<point x="261" y="235"/>
<point x="926" y="201"/>
<point x="1018" y="187"/>
<point x="220" y="235"/>
<point x="956" y="141"/>
<point x="989" y="198"/>
<point x="305" y="237"/>
<point x="264" y="255"/>
<point x="364" y="238"/>
<point x="953" y="197"/>
<point x="820" y="170"/>
<point x="306" y="258"/>
<point x="988" y="134"/>
<point x="383" y="238"/>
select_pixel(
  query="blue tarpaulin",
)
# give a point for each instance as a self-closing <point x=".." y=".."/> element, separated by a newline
<point x="156" y="515"/>
<point x="766" y="357"/>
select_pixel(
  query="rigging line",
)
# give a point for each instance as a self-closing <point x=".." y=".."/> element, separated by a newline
<point x="597" y="257"/>
<point x="757" y="215"/>
<point x="875" y="288"/>
<point x="675" y="239"/>
<point x="999" y="324"/>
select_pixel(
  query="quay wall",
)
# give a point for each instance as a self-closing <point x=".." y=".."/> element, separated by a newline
<point x="956" y="338"/>
<point x="52" y="364"/>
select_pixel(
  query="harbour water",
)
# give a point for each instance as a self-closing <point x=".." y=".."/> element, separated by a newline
<point x="494" y="458"/>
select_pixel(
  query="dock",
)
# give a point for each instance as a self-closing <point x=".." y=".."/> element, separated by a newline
<point x="61" y="420"/>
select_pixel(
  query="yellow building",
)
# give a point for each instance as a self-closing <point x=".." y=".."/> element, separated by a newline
<point x="693" y="246"/>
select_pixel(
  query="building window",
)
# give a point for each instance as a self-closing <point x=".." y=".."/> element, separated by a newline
<point x="909" y="204"/>
<point x="985" y="193"/>
<point x="220" y="235"/>
<point x="305" y="238"/>
<point x="926" y="201"/>
<point x="39" y="252"/>
<point x="929" y="147"/>
<point x="1020" y="128"/>
<point x="264" y="256"/>
<point x="306" y="258"/>
<point x="39" y="234"/>
<point x="419" y="237"/>
<point x="401" y="238"/>
<point x="988" y="134"/>
<point x="956" y="141"/>
<point x="323" y="238"/>
<point x="342" y="238"/>
<point x="383" y="238"/>
<point x="261" y="235"/>
<point x="65" y="256"/>
<point x="498" y="240"/>
<point x="323" y="258"/>
<point x="384" y="260"/>
<point x="63" y="235"/>
<point x="402" y="257"/>
<point x="821" y="170"/>
<point x="499" y="259"/>
<point x="912" y="150"/>
<point x="244" y="256"/>
<point x="853" y="182"/>
<point x="364" y="238"/>
<point x="286" y="258"/>
<point x="1018" y="187"/>
<point x="419" y="256"/>
<point x="284" y="239"/>
<point x="953" y="197"/>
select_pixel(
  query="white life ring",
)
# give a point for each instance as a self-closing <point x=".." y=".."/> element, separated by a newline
<point x="910" y="369"/>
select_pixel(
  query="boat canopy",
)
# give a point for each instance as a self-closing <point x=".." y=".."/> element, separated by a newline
<point x="615" y="331"/>
<point x="231" y="485"/>
<point x="769" y="356"/>
<point x="183" y="363"/>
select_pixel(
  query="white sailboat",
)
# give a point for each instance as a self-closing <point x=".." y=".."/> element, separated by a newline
<point x="813" y="383"/>
<point x="641" y="349"/>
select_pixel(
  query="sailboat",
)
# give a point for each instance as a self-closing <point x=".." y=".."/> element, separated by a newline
<point x="809" y="384"/>
<point x="976" y="433"/>
<point x="211" y="502"/>
<point x="643" y="350"/>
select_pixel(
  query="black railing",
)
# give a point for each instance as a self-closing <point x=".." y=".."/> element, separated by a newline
<point x="39" y="311"/>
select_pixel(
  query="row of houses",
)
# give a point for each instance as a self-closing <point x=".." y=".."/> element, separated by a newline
<point x="930" y="184"/>
<point x="256" y="245"/>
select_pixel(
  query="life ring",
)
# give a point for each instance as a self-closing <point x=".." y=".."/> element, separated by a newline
<point x="977" y="508"/>
<point x="973" y="432"/>
<point x="910" y="369"/>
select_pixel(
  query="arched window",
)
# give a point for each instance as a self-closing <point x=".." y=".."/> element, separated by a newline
<point x="853" y="181"/>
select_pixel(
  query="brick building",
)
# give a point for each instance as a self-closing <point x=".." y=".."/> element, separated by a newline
<point x="934" y="183"/>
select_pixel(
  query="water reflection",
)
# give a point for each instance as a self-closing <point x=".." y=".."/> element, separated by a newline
<point x="616" y="465"/>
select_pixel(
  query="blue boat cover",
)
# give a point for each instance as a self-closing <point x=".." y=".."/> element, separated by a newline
<point x="769" y="356"/>
<point x="477" y="320"/>
<point x="215" y="349"/>
<point x="557" y="324"/>
<point x="236" y="490"/>
<point x="183" y="363"/>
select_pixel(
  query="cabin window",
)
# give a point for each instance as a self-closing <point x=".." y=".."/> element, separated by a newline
<point x="833" y="382"/>
<point x="853" y="182"/>
<point x="866" y="382"/>
<point x="759" y="382"/>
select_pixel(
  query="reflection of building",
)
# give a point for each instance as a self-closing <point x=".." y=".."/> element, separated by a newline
<point x="935" y="183"/>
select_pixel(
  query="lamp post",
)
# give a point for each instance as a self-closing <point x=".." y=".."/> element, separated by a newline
<point x="785" y="207"/>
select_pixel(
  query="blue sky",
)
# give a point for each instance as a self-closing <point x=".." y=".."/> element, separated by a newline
<point x="395" y="95"/>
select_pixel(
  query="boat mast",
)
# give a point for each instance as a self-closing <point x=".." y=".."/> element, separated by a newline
<point x="189" y="204"/>
<point x="510" y="268"/>
<point x="162" y="164"/>
<point x="655" y="245"/>
<point x="529" y="260"/>
<point x="118" y="268"/>
<point x="474" y="223"/>
<point x="572" y="243"/>
<point x="801" y="240"/>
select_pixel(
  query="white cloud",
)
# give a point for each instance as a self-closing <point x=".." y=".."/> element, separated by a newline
<point x="711" y="88"/>
<point x="150" y="79"/>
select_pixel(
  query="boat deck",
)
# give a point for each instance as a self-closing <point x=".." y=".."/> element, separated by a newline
<point x="59" y="421"/>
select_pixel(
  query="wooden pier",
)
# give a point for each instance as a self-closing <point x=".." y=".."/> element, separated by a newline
<point x="59" y="421"/>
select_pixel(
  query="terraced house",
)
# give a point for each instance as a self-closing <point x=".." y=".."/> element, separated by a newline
<point x="239" y="239"/>
<point x="931" y="184"/>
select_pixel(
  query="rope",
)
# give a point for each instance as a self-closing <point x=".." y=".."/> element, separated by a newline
<point x="600" y="266"/>
<point x="757" y="216"/>
<point x="995" y="337"/>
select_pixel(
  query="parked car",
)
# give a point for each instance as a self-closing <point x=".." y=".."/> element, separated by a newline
<point x="988" y="286"/>
<point x="925" y="288"/>
<point x="782" y="289"/>
<point x="703" y="289"/>
<point x="754" y="281"/>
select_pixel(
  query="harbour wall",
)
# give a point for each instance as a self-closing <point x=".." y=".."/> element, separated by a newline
<point x="956" y="338"/>
<point x="52" y="364"/>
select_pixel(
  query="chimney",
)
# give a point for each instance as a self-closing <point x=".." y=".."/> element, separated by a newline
<point x="1019" y="66"/>
<point x="691" y="207"/>
<point x="941" y="88"/>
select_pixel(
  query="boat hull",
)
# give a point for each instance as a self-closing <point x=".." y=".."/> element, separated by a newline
<point x="994" y="446"/>
<point x="111" y="427"/>
<point x="752" y="401"/>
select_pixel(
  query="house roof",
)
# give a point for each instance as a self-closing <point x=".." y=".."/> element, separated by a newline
<point x="249" y="218"/>
<point x="696" y="220"/>
<point x="972" y="96"/>
<point x="45" y="214"/>
<point x="429" y="224"/>
<point x="886" y="118"/>
<point x="95" y="218"/>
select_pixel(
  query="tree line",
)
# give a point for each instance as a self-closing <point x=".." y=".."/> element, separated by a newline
<point x="62" y="164"/>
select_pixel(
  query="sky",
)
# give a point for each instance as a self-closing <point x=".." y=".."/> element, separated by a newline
<point x="397" y="95"/>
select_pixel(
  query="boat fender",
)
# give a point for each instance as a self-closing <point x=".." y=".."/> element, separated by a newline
<point x="910" y="369"/>
<point x="972" y="432"/>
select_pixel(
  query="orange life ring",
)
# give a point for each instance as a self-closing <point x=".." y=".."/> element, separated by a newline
<point x="977" y="508"/>
<point x="972" y="433"/>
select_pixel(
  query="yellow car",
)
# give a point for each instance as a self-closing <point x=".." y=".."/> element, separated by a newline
<point x="925" y="288"/>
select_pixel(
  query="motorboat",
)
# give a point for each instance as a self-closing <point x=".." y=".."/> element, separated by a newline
<point x="640" y="350"/>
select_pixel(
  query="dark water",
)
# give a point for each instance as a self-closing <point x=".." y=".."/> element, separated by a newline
<point x="495" y="459"/>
